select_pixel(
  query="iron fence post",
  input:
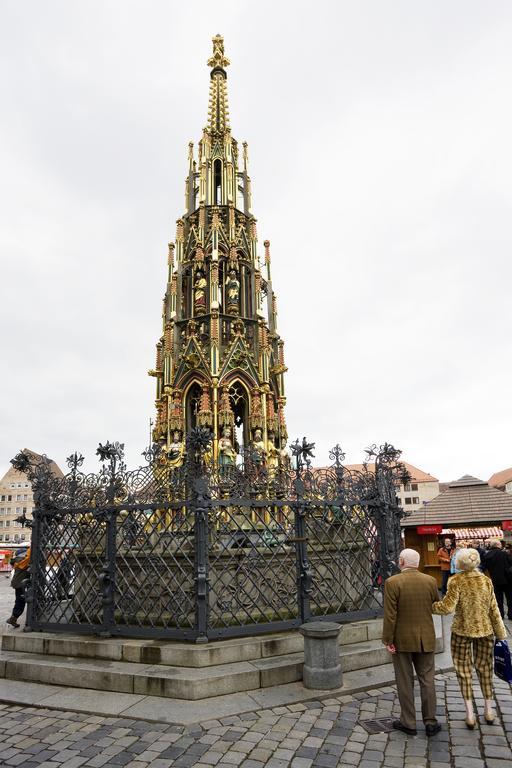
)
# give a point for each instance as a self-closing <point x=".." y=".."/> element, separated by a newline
<point x="201" y="504"/>
<point x="34" y="570"/>
<point x="108" y="575"/>
<point x="303" y="569"/>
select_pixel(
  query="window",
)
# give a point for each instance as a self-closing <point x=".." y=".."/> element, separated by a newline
<point x="7" y="523"/>
<point x="23" y="537"/>
<point x="415" y="500"/>
<point x="9" y="498"/>
<point x="408" y="500"/>
<point x="407" y="487"/>
<point x="25" y="497"/>
<point x="24" y="510"/>
<point x="1" y="523"/>
<point x="18" y="510"/>
<point x="19" y="485"/>
<point x="217" y="182"/>
<point x="3" y="497"/>
<point x="27" y="485"/>
<point x="7" y="537"/>
<point x="18" y="496"/>
<point x="12" y="485"/>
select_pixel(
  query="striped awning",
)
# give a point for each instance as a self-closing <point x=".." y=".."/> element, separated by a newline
<point x="475" y="533"/>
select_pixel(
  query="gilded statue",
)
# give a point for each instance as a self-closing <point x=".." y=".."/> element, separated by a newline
<point x="200" y="286"/>
<point x="175" y="451"/>
<point x="232" y="293"/>
<point x="258" y="451"/>
<point x="227" y="454"/>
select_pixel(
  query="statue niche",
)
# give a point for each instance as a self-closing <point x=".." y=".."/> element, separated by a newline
<point x="232" y="293"/>
<point x="200" y="285"/>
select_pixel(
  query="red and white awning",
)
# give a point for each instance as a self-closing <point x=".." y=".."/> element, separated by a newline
<point x="475" y="533"/>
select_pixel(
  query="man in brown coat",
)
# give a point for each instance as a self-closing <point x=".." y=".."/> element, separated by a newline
<point x="409" y="635"/>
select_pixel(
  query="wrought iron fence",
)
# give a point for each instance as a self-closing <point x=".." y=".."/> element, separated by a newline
<point x="204" y="551"/>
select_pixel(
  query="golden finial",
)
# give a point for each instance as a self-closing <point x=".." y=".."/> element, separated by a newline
<point x="218" y="59"/>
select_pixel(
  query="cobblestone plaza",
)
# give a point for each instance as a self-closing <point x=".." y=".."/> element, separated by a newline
<point x="321" y="734"/>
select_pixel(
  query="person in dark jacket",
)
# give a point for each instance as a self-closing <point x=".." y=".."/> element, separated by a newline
<point x="498" y="564"/>
<point x="21" y="562"/>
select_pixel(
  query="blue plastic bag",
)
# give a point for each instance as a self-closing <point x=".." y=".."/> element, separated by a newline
<point x="502" y="661"/>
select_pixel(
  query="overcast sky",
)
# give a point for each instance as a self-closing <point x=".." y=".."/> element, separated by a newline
<point x="380" y="156"/>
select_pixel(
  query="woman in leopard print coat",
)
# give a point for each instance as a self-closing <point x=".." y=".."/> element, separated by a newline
<point x="476" y="623"/>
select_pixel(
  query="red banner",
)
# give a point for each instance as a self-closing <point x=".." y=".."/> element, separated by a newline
<point x="423" y="529"/>
<point x="506" y="525"/>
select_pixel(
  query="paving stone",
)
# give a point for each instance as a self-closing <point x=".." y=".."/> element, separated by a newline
<point x="326" y="761"/>
<point x="499" y="752"/>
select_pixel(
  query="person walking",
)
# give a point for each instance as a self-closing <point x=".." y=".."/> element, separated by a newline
<point x="21" y="564"/>
<point x="444" y="555"/>
<point x="409" y="635"/>
<point x="498" y="564"/>
<point x="476" y="623"/>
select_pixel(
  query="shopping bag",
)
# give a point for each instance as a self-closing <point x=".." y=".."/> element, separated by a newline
<point x="502" y="661"/>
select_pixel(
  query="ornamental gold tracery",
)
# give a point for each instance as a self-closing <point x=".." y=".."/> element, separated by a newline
<point x="220" y="361"/>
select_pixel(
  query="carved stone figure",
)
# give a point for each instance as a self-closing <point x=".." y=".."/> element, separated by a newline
<point x="200" y="286"/>
<point x="227" y="454"/>
<point x="176" y="451"/>
<point x="273" y="457"/>
<point x="258" y="451"/>
<point x="232" y="293"/>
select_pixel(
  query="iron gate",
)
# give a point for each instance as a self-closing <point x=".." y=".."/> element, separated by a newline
<point x="205" y="551"/>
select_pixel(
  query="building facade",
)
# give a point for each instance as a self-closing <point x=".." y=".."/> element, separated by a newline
<point x="418" y="491"/>
<point x="502" y="480"/>
<point x="219" y="361"/>
<point x="17" y="501"/>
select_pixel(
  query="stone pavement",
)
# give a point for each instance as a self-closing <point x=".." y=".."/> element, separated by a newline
<point x="314" y="734"/>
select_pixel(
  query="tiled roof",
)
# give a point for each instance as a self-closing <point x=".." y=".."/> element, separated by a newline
<point x="465" y="501"/>
<point x="417" y="475"/>
<point x="500" y="479"/>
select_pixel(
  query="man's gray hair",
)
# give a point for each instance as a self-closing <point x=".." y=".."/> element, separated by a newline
<point x="410" y="557"/>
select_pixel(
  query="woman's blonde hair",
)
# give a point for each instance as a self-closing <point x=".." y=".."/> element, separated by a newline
<point x="467" y="559"/>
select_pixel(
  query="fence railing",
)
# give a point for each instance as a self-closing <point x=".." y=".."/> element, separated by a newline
<point x="204" y="551"/>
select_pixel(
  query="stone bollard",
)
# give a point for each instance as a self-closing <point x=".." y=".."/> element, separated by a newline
<point x="322" y="665"/>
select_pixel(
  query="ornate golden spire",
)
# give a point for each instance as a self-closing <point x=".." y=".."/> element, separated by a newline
<point x="218" y="59"/>
<point x="218" y="110"/>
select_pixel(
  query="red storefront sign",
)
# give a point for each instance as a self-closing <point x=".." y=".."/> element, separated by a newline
<point x="506" y="525"/>
<point x="423" y="529"/>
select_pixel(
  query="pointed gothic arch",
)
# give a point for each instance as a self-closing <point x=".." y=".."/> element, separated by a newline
<point x="240" y="401"/>
<point x="191" y="402"/>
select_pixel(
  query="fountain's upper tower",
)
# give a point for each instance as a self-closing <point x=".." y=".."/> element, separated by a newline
<point x="219" y="361"/>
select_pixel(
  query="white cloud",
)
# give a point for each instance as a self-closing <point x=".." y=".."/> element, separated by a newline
<point x="379" y="140"/>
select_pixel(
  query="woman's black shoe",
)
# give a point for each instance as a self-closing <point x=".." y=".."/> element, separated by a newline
<point x="398" y="726"/>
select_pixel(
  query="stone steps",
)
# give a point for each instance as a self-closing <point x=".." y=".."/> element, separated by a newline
<point x="176" y="670"/>
<point x="191" y="683"/>
<point x="178" y="654"/>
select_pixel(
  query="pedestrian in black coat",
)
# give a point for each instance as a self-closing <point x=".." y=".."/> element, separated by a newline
<point x="498" y="564"/>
